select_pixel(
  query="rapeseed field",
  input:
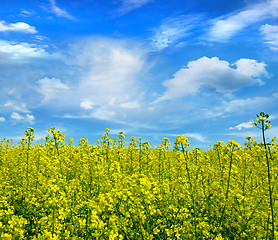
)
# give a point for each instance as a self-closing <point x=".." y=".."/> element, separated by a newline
<point x="118" y="189"/>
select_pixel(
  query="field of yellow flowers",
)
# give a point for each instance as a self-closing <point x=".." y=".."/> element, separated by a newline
<point x="52" y="189"/>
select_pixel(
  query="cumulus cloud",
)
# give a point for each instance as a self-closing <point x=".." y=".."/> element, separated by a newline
<point x="227" y="26"/>
<point x="27" y="118"/>
<point x="51" y="88"/>
<point x="213" y="73"/>
<point x="171" y="30"/>
<point x="20" y="51"/>
<point x="16" y="116"/>
<point x="270" y="34"/>
<point x="130" y="5"/>
<point x="2" y="119"/>
<point x="58" y="11"/>
<point x="242" y="125"/>
<point x="16" y="27"/>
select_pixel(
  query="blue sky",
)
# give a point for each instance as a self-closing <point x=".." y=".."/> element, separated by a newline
<point x="149" y="68"/>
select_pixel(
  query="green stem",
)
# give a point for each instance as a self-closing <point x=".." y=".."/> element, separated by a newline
<point x="140" y="155"/>
<point x="226" y="197"/>
<point x="192" y="192"/>
<point x="53" y="219"/>
<point x="57" y="150"/>
<point x="27" y="169"/>
<point x="269" y="183"/>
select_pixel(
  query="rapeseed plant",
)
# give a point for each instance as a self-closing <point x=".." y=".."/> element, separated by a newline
<point x="263" y="123"/>
<point x="129" y="190"/>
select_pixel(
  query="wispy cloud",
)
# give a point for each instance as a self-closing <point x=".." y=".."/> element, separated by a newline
<point x="255" y="133"/>
<point x="112" y="68"/>
<point x="270" y="35"/>
<point x="103" y="113"/>
<point x="16" y="27"/>
<point x="59" y="11"/>
<point x="20" y="51"/>
<point x="19" y="107"/>
<point x="197" y="136"/>
<point x="130" y="105"/>
<point x="226" y="27"/>
<point x="2" y="119"/>
<point x="130" y="5"/>
<point x="242" y="126"/>
<point x="241" y="106"/>
<point x="25" y="13"/>
<point x="213" y="73"/>
<point x="172" y="30"/>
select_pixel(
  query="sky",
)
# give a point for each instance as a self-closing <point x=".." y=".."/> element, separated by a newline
<point x="148" y="68"/>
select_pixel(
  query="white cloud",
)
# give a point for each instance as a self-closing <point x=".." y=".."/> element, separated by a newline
<point x="130" y="5"/>
<point x="256" y="134"/>
<point x="27" y="118"/>
<point x="272" y="117"/>
<point x="17" y="116"/>
<point x="58" y="11"/>
<point x="2" y="119"/>
<point x="130" y="105"/>
<point x="241" y="104"/>
<point x="16" y="27"/>
<point x="19" y="107"/>
<point x="20" y="51"/>
<point x="244" y="133"/>
<point x="87" y="104"/>
<point x="272" y="132"/>
<point x="25" y="13"/>
<point x="251" y="68"/>
<point x="270" y="35"/>
<point x="172" y="30"/>
<point x="213" y="73"/>
<point x="112" y="70"/>
<point x="103" y="113"/>
<point x="51" y="88"/>
<point x="226" y="27"/>
<point x="109" y="80"/>
<point x="242" y="125"/>
<point x="197" y="136"/>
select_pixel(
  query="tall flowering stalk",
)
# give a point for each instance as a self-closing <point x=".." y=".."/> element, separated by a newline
<point x="231" y="146"/>
<point x="263" y="123"/>
<point x="29" y="133"/>
<point x="59" y="138"/>
<point x="184" y="143"/>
